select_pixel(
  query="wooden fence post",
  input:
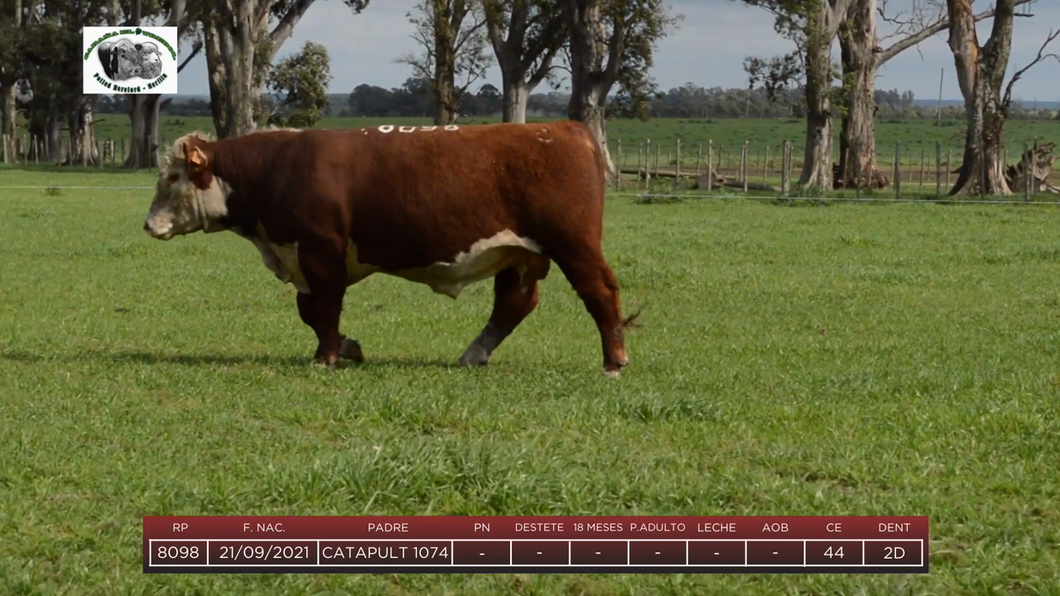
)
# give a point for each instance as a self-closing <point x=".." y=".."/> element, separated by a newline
<point x="658" y="157"/>
<point x="647" y="167"/>
<point x="922" y="153"/>
<point x="765" y="167"/>
<point x="618" y="167"/>
<point x="897" y="170"/>
<point x="938" y="169"/>
<point x="710" y="165"/>
<point x="699" y="158"/>
<point x="743" y="166"/>
<point x="1028" y="172"/>
<point x="785" y="179"/>
<point x="677" y="168"/>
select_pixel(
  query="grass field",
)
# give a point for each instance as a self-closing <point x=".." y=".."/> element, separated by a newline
<point x="841" y="360"/>
<point x="917" y="138"/>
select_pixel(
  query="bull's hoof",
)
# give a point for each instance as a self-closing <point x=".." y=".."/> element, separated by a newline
<point x="475" y="355"/>
<point x="351" y="350"/>
<point x="324" y="364"/>
<point x="612" y="373"/>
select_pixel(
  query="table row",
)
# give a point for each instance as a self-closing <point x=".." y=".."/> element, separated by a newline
<point x="479" y="553"/>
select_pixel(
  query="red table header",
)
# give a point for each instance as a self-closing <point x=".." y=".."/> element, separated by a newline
<point x="510" y="527"/>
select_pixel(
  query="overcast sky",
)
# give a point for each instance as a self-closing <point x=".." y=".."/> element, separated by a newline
<point x="707" y="49"/>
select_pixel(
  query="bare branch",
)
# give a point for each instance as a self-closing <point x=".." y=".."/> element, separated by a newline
<point x="1039" y="58"/>
<point x="915" y="38"/>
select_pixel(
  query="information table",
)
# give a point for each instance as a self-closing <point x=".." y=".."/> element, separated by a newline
<point x="536" y="544"/>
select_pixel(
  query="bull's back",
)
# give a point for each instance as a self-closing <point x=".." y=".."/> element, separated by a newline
<point x="424" y="195"/>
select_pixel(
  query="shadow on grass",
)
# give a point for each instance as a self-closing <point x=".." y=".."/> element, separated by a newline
<point x="150" y="358"/>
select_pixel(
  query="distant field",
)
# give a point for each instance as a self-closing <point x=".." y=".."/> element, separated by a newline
<point x="839" y="360"/>
<point x="916" y="137"/>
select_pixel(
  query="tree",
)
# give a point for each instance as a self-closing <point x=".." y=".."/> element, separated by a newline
<point x="611" y="42"/>
<point x="813" y="26"/>
<point x="11" y="62"/>
<point x="980" y="75"/>
<point x="51" y="53"/>
<point x="301" y="81"/>
<point x="370" y="101"/>
<point x="144" y="108"/>
<point x="862" y="57"/>
<point x="452" y="35"/>
<point x="526" y="35"/>
<point x="240" y="47"/>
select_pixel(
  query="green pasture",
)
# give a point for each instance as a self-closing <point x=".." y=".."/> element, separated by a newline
<point x="917" y="138"/>
<point x="847" y="359"/>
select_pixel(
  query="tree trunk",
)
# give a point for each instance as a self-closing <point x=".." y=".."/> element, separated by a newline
<point x="143" y="142"/>
<point x="47" y="130"/>
<point x="857" y="139"/>
<point x="10" y="109"/>
<point x="817" y="159"/>
<point x="590" y="80"/>
<point x="82" y="136"/>
<point x="980" y="74"/>
<point x="515" y="95"/>
<point x="232" y="91"/>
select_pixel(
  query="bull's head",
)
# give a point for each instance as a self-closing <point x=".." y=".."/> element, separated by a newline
<point x="188" y="196"/>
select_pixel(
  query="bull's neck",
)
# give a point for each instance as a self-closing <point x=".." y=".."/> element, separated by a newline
<point x="239" y="169"/>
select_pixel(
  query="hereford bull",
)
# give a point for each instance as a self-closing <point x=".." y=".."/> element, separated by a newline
<point x="442" y="206"/>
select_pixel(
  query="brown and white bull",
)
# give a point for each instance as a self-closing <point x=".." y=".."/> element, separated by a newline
<point x="442" y="206"/>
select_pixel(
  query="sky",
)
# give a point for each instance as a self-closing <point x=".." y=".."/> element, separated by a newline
<point x="707" y="49"/>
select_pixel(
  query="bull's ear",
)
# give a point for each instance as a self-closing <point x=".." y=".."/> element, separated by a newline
<point x="196" y="159"/>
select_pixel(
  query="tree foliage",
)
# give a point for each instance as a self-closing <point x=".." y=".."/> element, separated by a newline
<point x="453" y="41"/>
<point x="300" y="83"/>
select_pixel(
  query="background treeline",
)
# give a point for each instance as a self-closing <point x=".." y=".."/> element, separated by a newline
<point x="413" y="99"/>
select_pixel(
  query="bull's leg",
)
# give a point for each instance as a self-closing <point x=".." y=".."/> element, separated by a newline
<point x="595" y="283"/>
<point x="321" y="314"/>
<point x="324" y="269"/>
<point x="514" y="298"/>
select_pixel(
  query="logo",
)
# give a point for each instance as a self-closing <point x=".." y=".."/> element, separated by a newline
<point x="130" y="60"/>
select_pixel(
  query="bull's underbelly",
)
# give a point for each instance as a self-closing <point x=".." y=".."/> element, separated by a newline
<point x="483" y="260"/>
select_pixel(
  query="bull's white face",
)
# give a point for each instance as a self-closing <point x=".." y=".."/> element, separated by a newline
<point x="150" y="61"/>
<point x="180" y="207"/>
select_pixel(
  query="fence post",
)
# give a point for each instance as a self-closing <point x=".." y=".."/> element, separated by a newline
<point x="765" y="167"/>
<point x="699" y="158"/>
<point x="647" y="167"/>
<point x="710" y="165"/>
<point x="618" y="167"/>
<point x="677" y="168"/>
<point x="949" y="154"/>
<point x="122" y="158"/>
<point x="743" y="166"/>
<point x="897" y="170"/>
<point x="938" y="166"/>
<point x="658" y="157"/>
<point x="921" y="170"/>
<point x="1028" y="171"/>
<point x="785" y="178"/>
